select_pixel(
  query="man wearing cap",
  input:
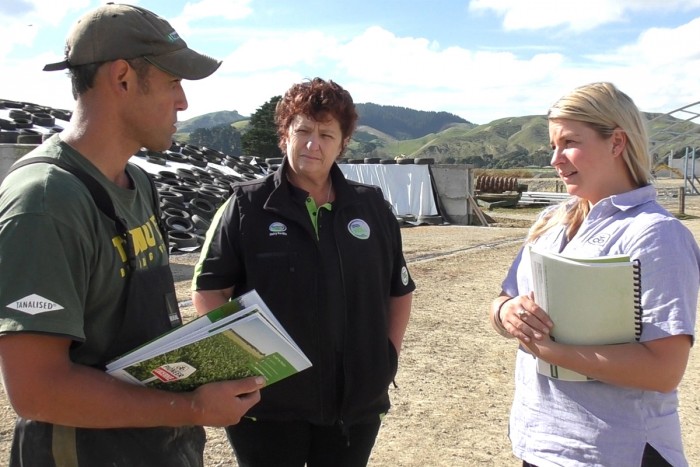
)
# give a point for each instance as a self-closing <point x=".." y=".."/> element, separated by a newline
<point x="80" y="286"/>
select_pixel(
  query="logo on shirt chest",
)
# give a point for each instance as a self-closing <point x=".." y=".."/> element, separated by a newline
<point x="277" y="229"/>
<point x="599" y="240"/>
<point x="359" y="229"/>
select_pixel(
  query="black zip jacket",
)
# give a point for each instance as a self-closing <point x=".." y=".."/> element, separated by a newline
<point x="265" y="240"/>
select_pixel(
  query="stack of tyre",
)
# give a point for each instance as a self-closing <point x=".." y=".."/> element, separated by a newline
<point x="399" y="161"/>
<point x="192" y="185"/>
<point x="27" y="123"/>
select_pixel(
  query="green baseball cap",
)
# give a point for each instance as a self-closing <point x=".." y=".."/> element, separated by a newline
<point x="118" y="31"/>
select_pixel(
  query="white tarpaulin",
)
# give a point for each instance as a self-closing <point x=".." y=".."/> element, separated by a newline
<point x="406" y="186"/>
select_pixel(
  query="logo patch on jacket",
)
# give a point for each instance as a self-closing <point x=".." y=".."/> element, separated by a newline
<point x="404" y="275"/>
<point x="358" y="229"/>
<point x="34" y="304"/>
<point x="277" y="228"/>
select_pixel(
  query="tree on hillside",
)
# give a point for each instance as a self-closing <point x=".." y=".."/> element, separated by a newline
<point x="261" y="137"/>
<point x="541" y="157"/>
<point x="517" y="157"/>
<point x="224" y="138"/>
<point x="478" y="161"/>
<point x="368" y="148"/>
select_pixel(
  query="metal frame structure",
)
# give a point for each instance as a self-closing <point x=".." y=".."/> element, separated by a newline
<point x="661" y="142"/>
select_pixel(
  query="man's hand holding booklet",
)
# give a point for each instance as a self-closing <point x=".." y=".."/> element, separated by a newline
<point x="239" y="339"/>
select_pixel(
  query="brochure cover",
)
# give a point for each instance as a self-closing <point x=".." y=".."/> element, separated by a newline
<point x="230" y="342"/>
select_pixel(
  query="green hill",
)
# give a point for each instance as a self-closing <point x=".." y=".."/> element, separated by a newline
<point x="403" y="123"/>
<point x="224" y="117"/>
<point x="510" y="142"/>
<point x="389" y="131"/>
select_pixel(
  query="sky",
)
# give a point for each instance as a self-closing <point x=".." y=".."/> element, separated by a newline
<point x="479" y="59"/>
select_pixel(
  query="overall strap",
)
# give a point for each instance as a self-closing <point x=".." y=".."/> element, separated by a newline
<point x="97" y="191"/>
<point x="100" y="196"/>
<point x="156" y="207"/>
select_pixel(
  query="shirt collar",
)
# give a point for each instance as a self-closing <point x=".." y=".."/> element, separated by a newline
<point x="624" y="201"/>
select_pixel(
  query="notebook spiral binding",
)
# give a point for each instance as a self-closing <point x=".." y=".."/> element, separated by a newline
<point x="637" y="299"/>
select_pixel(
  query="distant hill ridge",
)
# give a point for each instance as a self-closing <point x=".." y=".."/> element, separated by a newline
<point x="390" y="131"/>
<point x="397" y="122"/>
<point x="223" y="117"/>
<point x="403" y="123"/>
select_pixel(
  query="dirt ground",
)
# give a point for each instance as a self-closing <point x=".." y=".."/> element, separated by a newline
<point x="455" y="378"/>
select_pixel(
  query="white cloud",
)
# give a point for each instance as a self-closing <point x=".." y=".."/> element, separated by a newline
<point x="658" y="47"/>
<point x="477" y="85"/>
<point x="24" y="80"/>
<point x="577" y="16"/>
<point x="661" y="67"/>
<point x="226" y="9"/>
<point x="244" y="93"/>
<point x="281" y="50"/>
<point x="193" y="12"/>
<point x="22" y="25"/>
<point x="533" y="15"/>
<point x="381" y="67"/>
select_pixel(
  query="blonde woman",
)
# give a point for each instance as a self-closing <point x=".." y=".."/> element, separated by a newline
<point x="628" y="416"/>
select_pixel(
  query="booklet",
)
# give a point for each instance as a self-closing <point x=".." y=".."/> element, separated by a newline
<point x="590" y="300"/>
<point x="239" y="339"/>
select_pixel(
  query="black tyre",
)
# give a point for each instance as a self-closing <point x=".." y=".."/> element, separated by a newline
<point x="61" y="114"/>
<point x="179" y="224"/>
<point x="187" y="192"/>
<point x="23" y="123"/>
<point x="171" y="199"/>
<point x="202" y="208"/>
<point x="163" y="174"/>
<point x="197" y="160"/>
<point x="21" y="114"/>
<point x="155" y="159"/>
<point x="184" y="240"/>
<point x="9" y="136"/>
<point x="176" y="157"/>
<point x="29" y="138"/>
<point x="172" y="211"/>
<point x="7" y="124"/>
<point x="201" y="224"/>
<point x="43" y="119"/>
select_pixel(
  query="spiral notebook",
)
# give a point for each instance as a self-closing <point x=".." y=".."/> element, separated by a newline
<point x="590" y="300"/>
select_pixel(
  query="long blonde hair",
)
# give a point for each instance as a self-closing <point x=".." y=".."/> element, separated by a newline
<point x="603" y="108"/>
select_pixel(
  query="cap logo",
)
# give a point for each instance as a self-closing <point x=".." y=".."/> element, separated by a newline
<point x="173" y="36"/>
<point x="358" y="229"/>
